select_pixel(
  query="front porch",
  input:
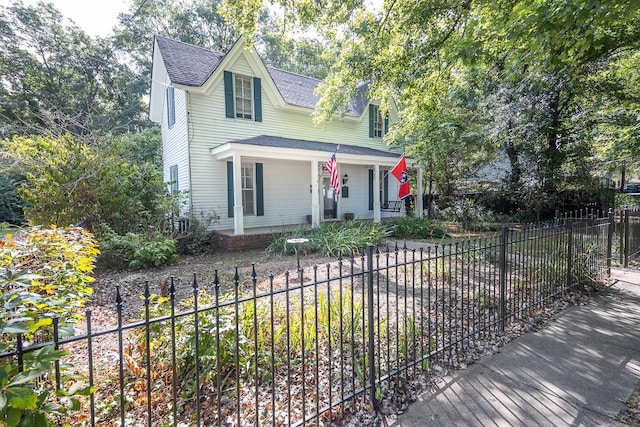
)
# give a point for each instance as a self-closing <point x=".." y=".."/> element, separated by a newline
<point x="284" y="181"/>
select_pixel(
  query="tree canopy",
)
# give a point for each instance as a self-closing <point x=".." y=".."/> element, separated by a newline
<point x="547" y="79"/>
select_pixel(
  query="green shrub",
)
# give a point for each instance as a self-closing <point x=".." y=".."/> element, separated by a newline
<point x="134" y="250"/>
<point x="60" y="261"/>
<point x="43" y="273"/>
<point x="11" y="204"/>
<point x="159" y="251"/>
<point x="416" y="228"/>
<point x="467" y="213"/>
<point x="117" y="251"/>
<point x="69" y="182"/>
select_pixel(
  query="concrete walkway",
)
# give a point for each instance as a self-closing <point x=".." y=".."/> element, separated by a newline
<point x="577" y="371"/>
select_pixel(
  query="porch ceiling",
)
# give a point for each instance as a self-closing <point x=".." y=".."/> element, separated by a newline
<point x="275" y="147"/>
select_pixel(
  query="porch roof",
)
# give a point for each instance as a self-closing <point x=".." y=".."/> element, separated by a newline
<point x="266" y="146"/>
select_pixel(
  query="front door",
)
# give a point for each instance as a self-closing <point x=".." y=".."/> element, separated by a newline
<point x="329" y="200"/>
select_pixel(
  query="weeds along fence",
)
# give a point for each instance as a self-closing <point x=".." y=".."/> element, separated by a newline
<point x="324" y="343"/>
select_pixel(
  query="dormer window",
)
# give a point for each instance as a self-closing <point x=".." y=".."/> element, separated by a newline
<point x="243" y="97"/>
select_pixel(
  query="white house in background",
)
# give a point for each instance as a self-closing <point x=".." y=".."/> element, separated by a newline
<point x="238" y="136"/>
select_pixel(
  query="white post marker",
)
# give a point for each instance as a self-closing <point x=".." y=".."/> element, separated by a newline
<point x="296" y="242"/>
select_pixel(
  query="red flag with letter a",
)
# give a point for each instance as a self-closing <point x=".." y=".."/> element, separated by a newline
<point x="401" y="174"/>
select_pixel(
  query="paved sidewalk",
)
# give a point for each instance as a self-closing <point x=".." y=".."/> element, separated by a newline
<point x="577" y="371"/>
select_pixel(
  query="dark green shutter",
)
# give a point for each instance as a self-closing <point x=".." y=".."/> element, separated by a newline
<point x="371" y="134"/>
<point x="370" y="189"/>
<point x="228" y="94"/>
<point x="230" y="189"/>
<point x="259" y="191"/>
<point x="385" y="188"/>
<point x="257" y="99"/>
<point x="386" y="125"/>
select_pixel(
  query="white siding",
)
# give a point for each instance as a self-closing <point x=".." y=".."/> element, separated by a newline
<point x="287" y="197"/>
<point x="174" y="142"/>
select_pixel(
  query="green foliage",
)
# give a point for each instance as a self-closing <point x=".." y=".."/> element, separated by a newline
<point x="467" y="213"/>
<point x="417" y="228"/>
<point x="135" y="250"/>
<point x="623" y="200"/>
<point x="11" y="205"/>
<point x="332" y="239"/>
<point x="57" y="79"/>
<point x="116" y="251"/>
<point x="221" y="342"/>
<point x="43" y="273"/>
<point x="70" y="182"/>
<point x="55" y="264"/>
<point x="159" y="251"/>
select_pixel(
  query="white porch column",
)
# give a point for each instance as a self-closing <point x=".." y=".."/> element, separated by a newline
<point x="419" y="205"/>
<point x="238" y="212"/>
<point x="376" y="194"/>
<point x="315" y="193"/>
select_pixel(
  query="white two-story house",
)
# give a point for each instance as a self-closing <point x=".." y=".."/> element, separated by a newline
<point x="238" y="137"/>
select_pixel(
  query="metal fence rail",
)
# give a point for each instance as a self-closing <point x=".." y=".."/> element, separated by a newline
<point x="316" y="345"/>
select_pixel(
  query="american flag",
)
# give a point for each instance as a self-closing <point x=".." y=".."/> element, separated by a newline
<point x="332" y="168"/>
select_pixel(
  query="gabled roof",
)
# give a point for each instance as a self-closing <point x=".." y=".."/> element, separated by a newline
<point x="191" y="66"/>
<point x="187" y="64"/>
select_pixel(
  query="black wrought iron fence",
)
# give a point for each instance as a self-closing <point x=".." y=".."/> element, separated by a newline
<point x="319" y="344"/>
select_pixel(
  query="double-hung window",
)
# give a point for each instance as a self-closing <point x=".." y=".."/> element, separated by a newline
<point x="248" y="189"/>
<point x="378" y="125"/>
<point x="173" y="179"/>
<point x="244" y="97"/>
<point x="171" y="106"/>
<point x="377" y="122"/>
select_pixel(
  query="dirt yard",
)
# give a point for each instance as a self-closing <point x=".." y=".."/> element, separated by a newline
<point x="132" y="282"/>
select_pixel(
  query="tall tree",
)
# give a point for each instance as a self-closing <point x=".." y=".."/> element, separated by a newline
<point x="56" y="79"/>
<point x="535" y="56"/>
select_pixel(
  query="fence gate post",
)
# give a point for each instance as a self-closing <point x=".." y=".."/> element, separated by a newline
<point x="569" y="253"/>
<point x="370" y="308"/>
<point x="503" y="277"/>
<point x="626" y="237"/>
<point x="609" y="241"/>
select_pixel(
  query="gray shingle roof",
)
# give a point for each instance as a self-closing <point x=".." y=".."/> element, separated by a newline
<point x="187" y="64"/>
<point x="301" y="144"/>
<point x="192" y="66"/>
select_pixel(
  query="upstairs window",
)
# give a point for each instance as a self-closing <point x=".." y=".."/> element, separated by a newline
<point x="377" y="122"/>
<point x="242" y="97"/>
<point x="171" y="107"/>
<point x="378" y="125"/>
